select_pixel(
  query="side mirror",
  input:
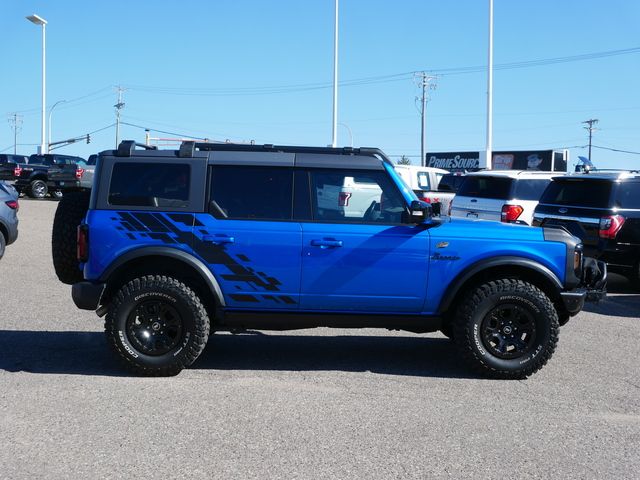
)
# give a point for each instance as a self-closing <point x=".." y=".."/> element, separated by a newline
<point x="418" y="212"/>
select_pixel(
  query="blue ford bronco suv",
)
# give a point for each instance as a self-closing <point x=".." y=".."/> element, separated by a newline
<point x="172" y="245"/>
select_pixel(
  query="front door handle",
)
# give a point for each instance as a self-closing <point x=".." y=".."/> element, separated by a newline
<point x="218" y="239"/>
<point x="326" y="243"/>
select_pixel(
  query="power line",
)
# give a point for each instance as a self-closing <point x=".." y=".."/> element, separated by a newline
<point x="280" y="89"/>
<point x="616" y="150"/>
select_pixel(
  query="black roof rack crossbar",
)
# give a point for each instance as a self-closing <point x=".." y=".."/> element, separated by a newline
<point x="127" y="147"/>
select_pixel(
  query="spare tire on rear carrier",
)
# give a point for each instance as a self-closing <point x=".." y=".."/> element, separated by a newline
<point x="70" y="212"/>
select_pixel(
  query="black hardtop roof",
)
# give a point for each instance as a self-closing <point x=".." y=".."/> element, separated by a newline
<point x="281" y="155"/>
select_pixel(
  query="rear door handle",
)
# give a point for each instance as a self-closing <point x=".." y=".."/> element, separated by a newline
<point x="326" y="243"/>
<point x="218" y="239"/>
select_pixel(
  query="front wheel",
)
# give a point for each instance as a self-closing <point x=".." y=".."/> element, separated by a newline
<point x="506" y="328"/>
<point x="157" y="325"/>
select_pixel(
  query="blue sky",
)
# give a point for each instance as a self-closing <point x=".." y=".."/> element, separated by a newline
<point x="262" y="70"/>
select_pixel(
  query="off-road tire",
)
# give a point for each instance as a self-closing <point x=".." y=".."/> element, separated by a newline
<point x="130" y="319"/>
<point x="495" y="303"/>
<point x="38" y="189"/>
<point x="69" y="214"/>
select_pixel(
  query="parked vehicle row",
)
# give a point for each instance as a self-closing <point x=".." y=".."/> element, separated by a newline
<point x="31" y="175"/>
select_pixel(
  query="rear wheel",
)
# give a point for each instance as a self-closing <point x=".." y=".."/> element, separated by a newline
<point x="506" y="329"/>
<point x="634" y="278"/>
<point x="3" y="244"/>
<point x="157" y="325"/>
<point x="69" y="214"/>
<point x="38" y="189"/>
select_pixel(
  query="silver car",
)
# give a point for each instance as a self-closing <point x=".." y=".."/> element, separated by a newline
<point x="8" y="215"/>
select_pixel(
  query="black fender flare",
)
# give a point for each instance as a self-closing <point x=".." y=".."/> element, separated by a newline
<point x="482" y="265"/>
<point x="190" y="260"/>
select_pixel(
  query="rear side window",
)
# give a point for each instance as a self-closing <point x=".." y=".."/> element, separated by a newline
<point x="628" y="195"/>
<point x="530" y="189"/>
<point x="423" y="181"/>
<point x="252" y="193"/>
<point x="150" y="185"/>
<point x="486" y="187"/>
<point x="578" y="193"/>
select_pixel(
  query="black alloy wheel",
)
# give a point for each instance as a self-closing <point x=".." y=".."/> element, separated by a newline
<point x="154" y="327"/>
<point x="508" y="331"/>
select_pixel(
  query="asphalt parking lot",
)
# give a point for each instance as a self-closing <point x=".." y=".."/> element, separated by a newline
<point x="308" y="404"/>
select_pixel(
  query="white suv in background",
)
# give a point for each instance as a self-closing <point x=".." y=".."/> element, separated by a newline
<point x="507" y="196"/>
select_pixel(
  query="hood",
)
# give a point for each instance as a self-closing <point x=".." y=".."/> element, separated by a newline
<point x="454" y="227"/>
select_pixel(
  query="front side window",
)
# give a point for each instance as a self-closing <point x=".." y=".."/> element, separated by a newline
<point x="355" y="197"/>
<point x="252" y="193"/>
<point x="150" y="185"/>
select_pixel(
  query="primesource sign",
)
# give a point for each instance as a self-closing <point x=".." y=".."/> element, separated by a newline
<point x="454" y="160"/>
<point x="545" y="160"/>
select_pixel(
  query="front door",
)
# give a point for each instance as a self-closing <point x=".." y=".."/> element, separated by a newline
<point x="357" y="255"/>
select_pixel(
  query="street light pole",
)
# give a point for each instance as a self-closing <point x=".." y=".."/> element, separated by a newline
<point x="334" y="138"/>
<point x="35" y="19"/>
<point x="50" y="128"/>
<point x="489" y="149"/>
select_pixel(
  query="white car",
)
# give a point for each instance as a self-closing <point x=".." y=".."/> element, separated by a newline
<point x="507" y="196"/>
<point x="424" y="182"/>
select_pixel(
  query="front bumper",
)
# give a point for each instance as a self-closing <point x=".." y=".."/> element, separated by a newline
<point x="593" y="288"/>
<point x="87" y="295"/>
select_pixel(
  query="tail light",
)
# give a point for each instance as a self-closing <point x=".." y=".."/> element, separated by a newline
<point x="17" y="171"/>
<point x="79" y="173"/>
<point x="510" y="213"/>
<point x="82" y="248"/>
<point x="610" y="226"/>
<point x="343" y="199"/>
<point x="13" y="204"/>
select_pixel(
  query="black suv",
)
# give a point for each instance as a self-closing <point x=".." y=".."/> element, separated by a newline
<point x="603" y="210"/>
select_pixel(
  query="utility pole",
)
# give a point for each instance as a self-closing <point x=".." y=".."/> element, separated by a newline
<point x="426" y="82"/>
<point x="119" y="106"/>
<point x="15" y="121"/>
<point x="591" y="122"/>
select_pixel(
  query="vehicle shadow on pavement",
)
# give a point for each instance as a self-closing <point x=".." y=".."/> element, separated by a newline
<point x="415" y="356"/>
<point x="87" y="353"/>
<point x="625" y="305"/>
<point x="71" y="353"/>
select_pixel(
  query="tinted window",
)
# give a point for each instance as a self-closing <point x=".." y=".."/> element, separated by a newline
<point x="150" y="185"/>
<point x="450" y="183"/>
<point x="252" y="193"/>
<point x="628" y="195"/>
<point x="486" y="187"/>
<point x="578" y="193"/>
<point x="530" y="189"/>
<point x="338" y="197"/>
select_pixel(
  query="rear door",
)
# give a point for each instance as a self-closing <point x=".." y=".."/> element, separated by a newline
<point x="482" y="196"/>
<point x="362" y="261"/>
<point x="249" y="238"/>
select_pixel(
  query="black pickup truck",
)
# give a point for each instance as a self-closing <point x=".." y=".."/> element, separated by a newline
<point x="31" y="178"/>
<point x="8" y="163"/>
<point x="68" y="178"/>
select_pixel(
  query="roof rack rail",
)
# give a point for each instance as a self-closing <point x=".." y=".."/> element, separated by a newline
<point x="188" y="148"/>
<point x="127" y="147"/>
